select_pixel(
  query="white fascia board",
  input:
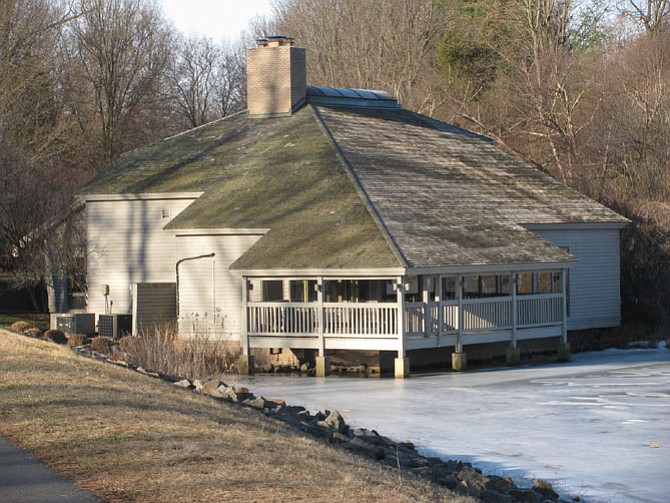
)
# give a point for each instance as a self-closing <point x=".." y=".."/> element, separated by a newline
<point x="324" y="273"/>
<point x="496" y="268"/>
<point x="224" y="231"/>
<point x="585" y="226"/>
<point x="141" y="197"/>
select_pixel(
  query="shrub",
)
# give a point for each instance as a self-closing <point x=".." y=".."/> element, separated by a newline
<point x="21" y="326"/>
<point x="129" y="343"/>
<point x="161" y="350"/>
<point x="76" y="340"/>
<point x="56" y="336"/>
<point x="33" y="332"/>
<point x="101" y="344"/>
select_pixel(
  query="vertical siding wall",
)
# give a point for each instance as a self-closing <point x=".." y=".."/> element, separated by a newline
<point x="210" y="296"/>
<point x="153" y="305"/>
<point x="595" y="299"/>
<point x="127" y="244"/>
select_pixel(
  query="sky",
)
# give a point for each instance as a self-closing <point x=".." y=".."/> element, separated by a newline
<point x="217" y="19"/>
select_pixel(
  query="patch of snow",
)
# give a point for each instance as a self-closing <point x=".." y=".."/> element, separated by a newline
<point x="597" y="427"/>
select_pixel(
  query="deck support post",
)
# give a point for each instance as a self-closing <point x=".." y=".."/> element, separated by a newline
<point x="513" y="356"/>
<point x="245" y="364"/>
<point x="322" y="366"/>
<point x="322" y="361"/>
<point x="459" y="361"/>
<point x="564" y="346"/>
<point x="401" y="364"/>
<point x="401" y="368"/>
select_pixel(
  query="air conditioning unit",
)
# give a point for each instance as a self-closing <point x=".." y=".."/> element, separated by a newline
<point x="76" y="323"/>
<point x="115" y="325"/>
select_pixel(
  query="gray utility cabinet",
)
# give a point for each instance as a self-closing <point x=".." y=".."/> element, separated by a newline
<point x="76" y="323"/>
<point x="115" y="325"/>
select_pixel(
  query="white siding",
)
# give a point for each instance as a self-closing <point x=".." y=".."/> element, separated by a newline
<point x="210" y="296"/>
<point x="595" y="280"/>
<point x="127" y="244"/>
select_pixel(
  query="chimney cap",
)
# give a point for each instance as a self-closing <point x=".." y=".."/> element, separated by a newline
<point x="280" y="40"/>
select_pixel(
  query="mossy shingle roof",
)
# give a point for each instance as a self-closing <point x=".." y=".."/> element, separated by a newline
<point x="342" y="188"/>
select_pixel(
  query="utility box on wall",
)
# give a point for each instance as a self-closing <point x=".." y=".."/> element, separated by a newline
<point x="115" y="325"/>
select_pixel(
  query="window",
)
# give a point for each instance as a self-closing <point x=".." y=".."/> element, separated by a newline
<point x="485" y="286"/>
<point x="303" y="290"/>
<point x="273" y="291"/>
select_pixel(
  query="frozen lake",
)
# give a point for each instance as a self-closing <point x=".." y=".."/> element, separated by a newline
<point x="598" y="427"/>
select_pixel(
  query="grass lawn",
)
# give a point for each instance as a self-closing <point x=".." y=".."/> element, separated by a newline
<point x="41" y="320"/>
<point x="127" y="437"/>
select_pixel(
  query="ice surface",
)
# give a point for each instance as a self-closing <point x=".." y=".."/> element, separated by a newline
<point x="598" y="427"/>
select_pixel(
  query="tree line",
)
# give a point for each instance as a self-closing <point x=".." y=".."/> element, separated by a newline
<point x="81" y="82"/>
<point x="577" y="88"/>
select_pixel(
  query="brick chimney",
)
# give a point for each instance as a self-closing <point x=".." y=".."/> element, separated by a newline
<point x="276" y="77"/>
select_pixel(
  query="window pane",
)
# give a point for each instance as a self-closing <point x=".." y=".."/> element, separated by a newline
<point x="544" y="283"/>
<point x="272" y="291"/>
<point x="489" y="285"/>
<point x="448" y="288"/>
<point x="471" y="287"/>
<point x="524" y="283"/>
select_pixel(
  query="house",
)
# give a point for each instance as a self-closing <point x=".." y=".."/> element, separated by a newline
<point x="327" y="219"/>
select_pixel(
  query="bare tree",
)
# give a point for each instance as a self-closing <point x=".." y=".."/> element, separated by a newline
<point x="121" y="49"/>
<point x="387" y="44"/>
<point x="230" y="89"/>
<point x="207" y="81"/>
<point x="653" y="15"/>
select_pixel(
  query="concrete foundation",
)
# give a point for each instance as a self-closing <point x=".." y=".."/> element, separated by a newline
<point x="322" y="366"/>
<point x="245" y="365"/>
<point x="564" y="352"/>
<point x="401" y="368"/>
<point x="513" y="356"/>
<point x="459" y="362"/>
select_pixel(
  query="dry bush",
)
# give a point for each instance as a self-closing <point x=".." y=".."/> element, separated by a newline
<point x="101" y="344"/>
<point x="56" y="336"/>
<point x="76" y="340"/>
<point x="128" y="343"/>
<point x="161" y="350"/>
<point x="33" y="332"/>
<point x="21" y="326"/>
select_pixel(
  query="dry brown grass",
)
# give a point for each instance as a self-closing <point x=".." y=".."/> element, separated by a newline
<point x="127" y="437"/>
<point x="161" y="350"/>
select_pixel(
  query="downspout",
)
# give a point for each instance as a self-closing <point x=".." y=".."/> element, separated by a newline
<point x="209" y="255"/>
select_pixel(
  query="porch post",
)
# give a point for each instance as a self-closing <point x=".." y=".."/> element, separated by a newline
<point x="458" y="357"/>
<point x="322" y="361"/>
<point x="440" y="314"/>
<point x="401" y="363"/>
<point x="513" y="352"/>
<point x="425" y="299"/>
<point x="246" y="361"/>
<point x="564" y="345"/>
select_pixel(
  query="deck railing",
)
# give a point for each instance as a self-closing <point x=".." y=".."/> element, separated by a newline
<point x="351" y="320"/>
<point x="369" y="320"/>
<point x="363" y="320"/>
